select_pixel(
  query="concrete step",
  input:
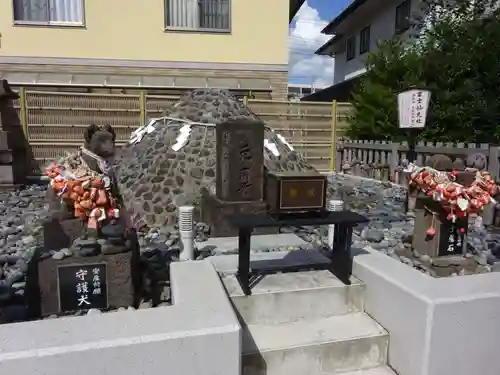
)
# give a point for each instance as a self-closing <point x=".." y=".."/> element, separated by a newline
<point x="286" y="297"/>
<point x="382" y="370"/>
<point x="278" y="260"/>
<point x="315" y="347"/>
<point x="259" y="242"/>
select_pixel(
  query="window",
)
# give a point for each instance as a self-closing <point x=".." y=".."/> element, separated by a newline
<point x="364" y="40"/>
<point x="403" y="13"/>
<point x="306" y="90"/>
<point x="351" y="48"/>
<point x="49" y="12"/>
<point x="202" y="15"/>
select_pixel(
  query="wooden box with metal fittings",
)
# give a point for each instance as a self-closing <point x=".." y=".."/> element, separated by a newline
<point x="435" y="235"/>
<point x="287" y="192"/>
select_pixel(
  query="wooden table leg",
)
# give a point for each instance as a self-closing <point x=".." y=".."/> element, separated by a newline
<point x="341" y="260"/>
<point x="243" y="274"/>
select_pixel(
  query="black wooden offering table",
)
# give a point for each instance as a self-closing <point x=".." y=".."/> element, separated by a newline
<point x="341" y="260"/>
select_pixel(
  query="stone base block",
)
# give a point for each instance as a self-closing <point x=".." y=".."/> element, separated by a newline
<point x="443" y="266"/>
<point x="447" y="240"/>
<point x="214" y="211"/>
<point x="121" y="269"/>
<point x="7" y="175"/>
<point x="59" y="234"/>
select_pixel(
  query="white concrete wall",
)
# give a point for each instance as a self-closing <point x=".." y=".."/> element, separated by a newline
<point x="448" y="326"/>
<point x="199" y="334"/>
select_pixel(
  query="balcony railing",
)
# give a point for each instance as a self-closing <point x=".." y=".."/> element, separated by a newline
<point x="198" y="15"/>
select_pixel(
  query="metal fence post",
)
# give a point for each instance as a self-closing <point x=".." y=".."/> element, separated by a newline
<point x="143" y="108"/>
<point x="23" y="112"/>
<point x="333" y="137"/>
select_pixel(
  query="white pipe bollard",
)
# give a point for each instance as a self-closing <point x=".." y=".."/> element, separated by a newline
<point x="186" y="232"/>
<point x="333" y="205"/>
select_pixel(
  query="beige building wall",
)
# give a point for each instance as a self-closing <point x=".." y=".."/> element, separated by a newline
<point x="119" y="35"/>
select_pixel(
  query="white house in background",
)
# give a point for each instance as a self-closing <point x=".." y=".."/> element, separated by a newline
<point x="357" y="30"/>
<point x="297" y="91"/>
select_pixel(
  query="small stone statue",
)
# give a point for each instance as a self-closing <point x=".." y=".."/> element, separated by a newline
<point x="94" y="157"/>
<point x="458" y="164"/>
<point x="440" y="162"/>
<point x="476" y="161"/>
<point x="99" y="148"/>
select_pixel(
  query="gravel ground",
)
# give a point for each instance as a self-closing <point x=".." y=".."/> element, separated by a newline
<point x="389" y="231"/>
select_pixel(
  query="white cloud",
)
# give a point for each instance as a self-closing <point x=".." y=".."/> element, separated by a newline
<point x="304" y="39"/>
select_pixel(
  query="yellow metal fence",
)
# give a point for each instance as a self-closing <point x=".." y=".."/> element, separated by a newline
<point x="54" y="122"/>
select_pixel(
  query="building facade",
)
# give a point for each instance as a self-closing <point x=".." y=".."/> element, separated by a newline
<point x="297" y="91"/>
<point x="150" y="44"/>
<point x="358" y="29"/>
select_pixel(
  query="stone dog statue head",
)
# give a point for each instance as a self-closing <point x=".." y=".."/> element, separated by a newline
<point x="100" y="140"/>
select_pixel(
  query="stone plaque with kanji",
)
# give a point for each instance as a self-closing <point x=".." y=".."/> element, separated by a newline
<point x="240" y="161"/>
<point x="82" y="287"/>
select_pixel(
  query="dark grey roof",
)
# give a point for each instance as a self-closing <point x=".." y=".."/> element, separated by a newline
<point x="330" y="28"/>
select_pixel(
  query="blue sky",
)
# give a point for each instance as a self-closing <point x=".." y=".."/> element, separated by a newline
<point x="329" y="9"/>
<point x="305" y="37"/>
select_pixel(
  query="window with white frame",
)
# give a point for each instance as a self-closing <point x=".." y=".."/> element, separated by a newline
<point x="208" y="15"/>
<point x="49" y="12"/>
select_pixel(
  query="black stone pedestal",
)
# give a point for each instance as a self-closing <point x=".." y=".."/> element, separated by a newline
<point x="62" y="283"/>
<point x="214" y="212"/>
<point x="448" y="238"/>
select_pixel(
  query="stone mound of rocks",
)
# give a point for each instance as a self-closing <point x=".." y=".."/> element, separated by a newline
<point x="154" y="179"/>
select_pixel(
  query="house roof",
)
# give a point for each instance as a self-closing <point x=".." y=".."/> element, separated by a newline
<point x="330" y="28"/>
<point x="323" y="50"/>
<point x="341" y="92"/>
<point x="294" y="8"/>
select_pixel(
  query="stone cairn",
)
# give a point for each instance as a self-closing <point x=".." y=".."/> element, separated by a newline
<point x="166" y="164"/>
<point x="176" y="158"/>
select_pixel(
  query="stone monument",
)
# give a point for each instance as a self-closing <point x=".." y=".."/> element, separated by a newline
<point x="169" y="162"/>
<point x="434" y="234"/>
<point x="91" y="257"/>
<point x="444" y="203"/>
<point x="12" y="142"/>
<point x="239" y="178"/>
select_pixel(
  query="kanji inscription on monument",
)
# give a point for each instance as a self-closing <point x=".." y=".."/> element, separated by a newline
<point x="451" y="240"/>
<point x="240" y="160"/>
<point x="82" y="287"/>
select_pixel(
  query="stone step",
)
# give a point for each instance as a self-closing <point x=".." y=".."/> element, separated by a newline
<point x="277" y="260"/>
<point x="381" y="370"/>
<point x="293" y="296"/>
<point x="258" y="242"/>
<point x="331" y="345"/>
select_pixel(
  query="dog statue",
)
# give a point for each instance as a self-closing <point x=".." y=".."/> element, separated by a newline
<point x="96" y="155"/>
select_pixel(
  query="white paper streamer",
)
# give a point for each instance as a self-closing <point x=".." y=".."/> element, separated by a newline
<point x="139" y="133"/>
<point x="271" y="147"/>
<point x="282" y="139"/>
<point x="182" y="138"/>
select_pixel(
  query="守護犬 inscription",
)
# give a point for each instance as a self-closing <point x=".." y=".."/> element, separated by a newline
<point x="82" y="287"/>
